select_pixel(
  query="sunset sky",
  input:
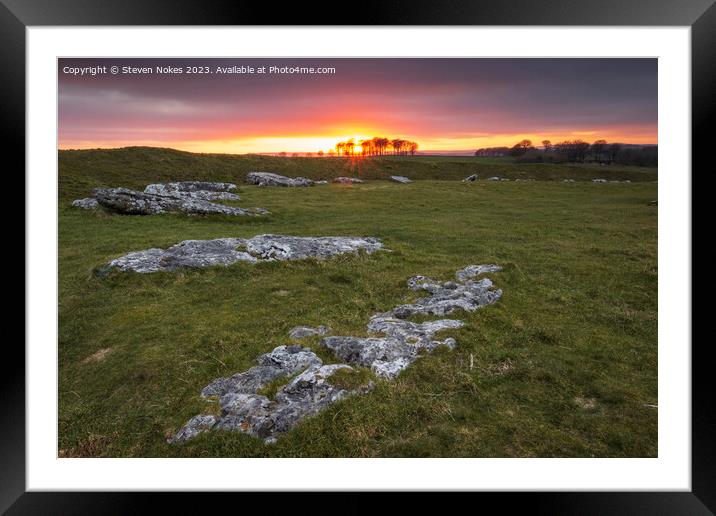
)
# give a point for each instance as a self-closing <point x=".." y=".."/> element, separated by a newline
<point x="446" y="105"/>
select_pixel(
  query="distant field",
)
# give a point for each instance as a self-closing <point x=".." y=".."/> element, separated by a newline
<point x="136" y="166"/>
<point x="564" y="364"/>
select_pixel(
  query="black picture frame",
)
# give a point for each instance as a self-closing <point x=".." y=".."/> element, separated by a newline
<point x="17" y="15"/>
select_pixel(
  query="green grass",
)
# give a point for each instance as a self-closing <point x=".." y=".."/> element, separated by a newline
<point x="563" y="365"/>
<point x="135" y="167"/>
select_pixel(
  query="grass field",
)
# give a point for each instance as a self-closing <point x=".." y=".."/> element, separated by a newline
<point x="565" y="364"/>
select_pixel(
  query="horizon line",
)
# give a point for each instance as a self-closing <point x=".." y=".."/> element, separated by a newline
<point x="459" y="152"/>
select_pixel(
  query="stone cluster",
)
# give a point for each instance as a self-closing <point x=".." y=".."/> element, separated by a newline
<point x="192" y="197"/>
<point x="309" y="389"/>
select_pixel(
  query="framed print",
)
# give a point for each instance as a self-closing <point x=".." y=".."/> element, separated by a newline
<point x="424" y="249"/>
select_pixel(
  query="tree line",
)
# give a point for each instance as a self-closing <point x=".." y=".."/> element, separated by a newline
<point x="576" y="151"/>
<point x="377" y="146"/>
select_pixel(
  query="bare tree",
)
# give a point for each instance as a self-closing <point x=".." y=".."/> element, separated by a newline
<point x="598" y="149"/>
<point x="547" y="145"/>
<point x="520" y="148"/>
<point x="613" y="151"/>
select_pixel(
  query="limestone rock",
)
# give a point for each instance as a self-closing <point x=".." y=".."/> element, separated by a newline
<point x="310" y="391"/>
<point x="401" y="179"/>
<point x="599" y="181"/>
<point x="244" y="410"/>
<point x="131" y="202"/>
<point x="282" y="361"/>
<point x="475" y="270"/>
<point x="403" y="341"/>
<point x="88" y="203"/>
<point x="271" y="179"/>
<point x="449" y="297"/>
<point x="278" y="247"/>
<point x="347" y="180"/>
<point x="198" y="190"/>
<point x="189" y="253"/>
<point x="472" y="178"/>
<point x="301" y="332"/>
<point x="227" y="251"/>
<point x="194" y="427"/>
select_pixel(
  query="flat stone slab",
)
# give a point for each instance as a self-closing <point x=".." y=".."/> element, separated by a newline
<point x="199" y="190"/>
<point x="401" y="179"/>
<point x="347" y="180"/>
<point x="227" y="251"/>
<point x="271" y="179"/>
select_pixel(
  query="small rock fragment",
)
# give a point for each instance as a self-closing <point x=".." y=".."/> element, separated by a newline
<point x="347" y="180"/>
<point x="300" y="332"/>
<point x="401" y="179"/>
<point x="88" y="203"/>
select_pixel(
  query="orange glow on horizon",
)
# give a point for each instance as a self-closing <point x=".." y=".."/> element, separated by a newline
<point x="327" y="143"/>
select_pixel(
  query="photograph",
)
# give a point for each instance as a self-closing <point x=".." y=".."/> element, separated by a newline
<point x="384" y="257"/>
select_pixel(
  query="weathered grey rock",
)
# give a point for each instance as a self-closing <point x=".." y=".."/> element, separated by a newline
<point x="189" y="254"/>
<point x="282" y="361"/>
<point x="88" y="203"/>
<point x="494" y="178"/>
<point x="410" y="332"/>
<point x="347" y="180"/>
<point x="306" y="395"/>
<point x="131" y="202"/>
<point x="599" y="180"/>
<point x="227" y="251"/>
<point x="278" y="247"/>
<point x="475" y="270"/>
<point x="271" y="179"/>
<point x="301" y="332"/>
<point x="401" y="179"/>
<point x="198" y="190"/>
<point x="472" y="178"/>
<point x="449" y="297"/>
<point x="568" y="181"/>
<point x="403" y="340"/>
<point x="243" y="410"/>
<point x="193" y="427"/>
<point x="320" y="182"/>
